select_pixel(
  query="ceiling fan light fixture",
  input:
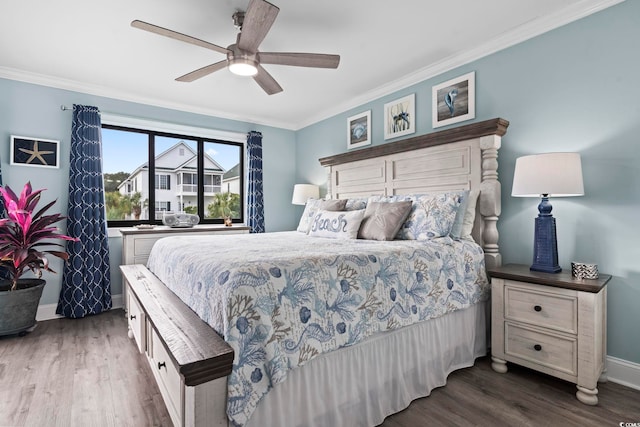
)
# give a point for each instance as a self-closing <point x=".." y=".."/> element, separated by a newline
<point x="243" y="67"/>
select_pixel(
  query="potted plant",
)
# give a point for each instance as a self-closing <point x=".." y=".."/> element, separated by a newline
<point x="24" y="238"/>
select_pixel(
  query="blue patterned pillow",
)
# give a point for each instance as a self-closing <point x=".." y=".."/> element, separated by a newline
<point x="432" y="216"/>
<point x="356" y="204"/>
<point x="336" y="225"/>
<point x="456" y="228"/>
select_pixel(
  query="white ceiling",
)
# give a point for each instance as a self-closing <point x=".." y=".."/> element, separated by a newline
<point x="89" y="46"/>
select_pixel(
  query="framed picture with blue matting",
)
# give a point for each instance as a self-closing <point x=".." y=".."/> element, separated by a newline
<point x="38" y="152"/>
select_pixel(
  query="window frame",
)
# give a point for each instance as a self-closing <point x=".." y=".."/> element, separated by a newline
<point x="200" y="142"/>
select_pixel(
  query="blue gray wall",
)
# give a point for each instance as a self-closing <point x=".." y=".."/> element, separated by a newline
<point x="572" y="89"/>
<point x="33" y="110"/>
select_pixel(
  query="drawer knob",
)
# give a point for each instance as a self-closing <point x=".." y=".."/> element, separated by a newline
<point x="162" y="365"/>
<point x="537" y="308"/>
<point x="133" y="316"/>
<point x="537" y="347"/>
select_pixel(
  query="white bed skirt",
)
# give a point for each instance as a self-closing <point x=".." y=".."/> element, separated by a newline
<point x="363" y="384"/>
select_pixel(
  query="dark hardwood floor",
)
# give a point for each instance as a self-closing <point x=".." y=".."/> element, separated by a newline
<point x="88" y="373"/>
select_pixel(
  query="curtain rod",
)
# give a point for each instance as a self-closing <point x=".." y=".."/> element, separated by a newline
<point x="65" y="108"/>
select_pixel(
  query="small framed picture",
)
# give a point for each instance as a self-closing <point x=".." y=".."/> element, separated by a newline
<point x="27" y="151"/>
<point x="359" y="130"/>
<point x="400" y="117"/>
<point x="454" y="100"/>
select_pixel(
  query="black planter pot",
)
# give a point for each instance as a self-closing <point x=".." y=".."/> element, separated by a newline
<point x="18" y="308"/>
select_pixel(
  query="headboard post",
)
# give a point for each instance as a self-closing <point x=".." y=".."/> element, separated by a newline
<point x="490" y="199"/>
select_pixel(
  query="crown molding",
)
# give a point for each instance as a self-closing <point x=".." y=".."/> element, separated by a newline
<point x="522" y="33"/>
<point x="71" y="85"/>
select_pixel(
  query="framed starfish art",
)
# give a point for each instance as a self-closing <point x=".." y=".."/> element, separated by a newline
<point x="26" y="151"/>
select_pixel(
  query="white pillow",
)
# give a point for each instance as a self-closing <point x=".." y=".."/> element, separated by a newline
<point x="313" y="206"/>
<point x="336" y="225"/>
<point x="469" y="215"/>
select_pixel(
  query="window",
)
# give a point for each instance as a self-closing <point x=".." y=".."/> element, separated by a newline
<point x="161" y="207"/>
<point x="163" y="182"/>
<point x="148" y="172"/>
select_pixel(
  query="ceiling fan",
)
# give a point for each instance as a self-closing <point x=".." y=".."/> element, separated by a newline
<point x="243" y="57"/>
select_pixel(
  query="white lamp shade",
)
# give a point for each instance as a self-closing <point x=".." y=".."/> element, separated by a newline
<point x="303" y="192"/>
<point x="554" y="174"/>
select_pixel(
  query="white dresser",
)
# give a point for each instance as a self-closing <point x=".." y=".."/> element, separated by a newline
<point x="137" y="243"/>
<point x="553" y="323"/>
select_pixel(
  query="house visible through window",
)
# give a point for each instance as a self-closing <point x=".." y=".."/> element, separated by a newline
<point x="148" y="172"/>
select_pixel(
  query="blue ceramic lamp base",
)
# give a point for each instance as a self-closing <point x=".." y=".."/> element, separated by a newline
<point x="545" y="250"/>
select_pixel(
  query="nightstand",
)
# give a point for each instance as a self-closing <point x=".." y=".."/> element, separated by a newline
<point x="553" y="323"/>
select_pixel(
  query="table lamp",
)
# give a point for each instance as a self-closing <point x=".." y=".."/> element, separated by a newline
<point x="547" y="175"/>
<point x="303" y="192"/>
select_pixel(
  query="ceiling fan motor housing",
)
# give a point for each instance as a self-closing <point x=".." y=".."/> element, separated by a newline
<point x="242" y="62"/>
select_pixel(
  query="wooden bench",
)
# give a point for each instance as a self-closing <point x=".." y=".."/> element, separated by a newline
<point x="189" y="360"/>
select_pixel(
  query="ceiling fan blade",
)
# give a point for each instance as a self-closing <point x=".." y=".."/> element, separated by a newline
<point x="267" y="82"/>
<point x="316" y="60"/>
<point x="177" y="36"/>
<point x="201" y="72"/>
<point x="258" y="19"/>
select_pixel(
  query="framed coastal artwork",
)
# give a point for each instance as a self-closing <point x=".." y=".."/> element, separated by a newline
<point x="38" y="152"/>
<point x="454" y="101"/>
<point x="359" y="130"/>
<point x="400" y="117"/>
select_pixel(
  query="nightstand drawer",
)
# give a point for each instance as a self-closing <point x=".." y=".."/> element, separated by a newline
<point x="552" y="351"/>
<point x="558" y="311"/>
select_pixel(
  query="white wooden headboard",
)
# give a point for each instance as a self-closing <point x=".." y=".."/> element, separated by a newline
<point x="465" y="157"/>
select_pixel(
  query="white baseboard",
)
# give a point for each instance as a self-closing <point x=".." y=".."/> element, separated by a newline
<point x="48" y="311"/>
<point x="623" y="372"/>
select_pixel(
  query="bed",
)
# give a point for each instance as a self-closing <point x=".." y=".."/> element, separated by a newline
<point x="347" y="331"/>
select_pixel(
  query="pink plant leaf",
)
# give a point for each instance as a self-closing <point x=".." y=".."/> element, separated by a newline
<point x="44" y="209"/>
<point x="26" y="191"/>
<point x="8" y="195"/>
<point x="32" y="200"/>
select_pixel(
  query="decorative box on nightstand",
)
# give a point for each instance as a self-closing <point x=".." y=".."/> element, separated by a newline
<point x="553" y="323"/>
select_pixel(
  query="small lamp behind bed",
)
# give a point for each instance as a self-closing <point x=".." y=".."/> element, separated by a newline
<point x="303" y="192"/>
<point x="546" y="175"/>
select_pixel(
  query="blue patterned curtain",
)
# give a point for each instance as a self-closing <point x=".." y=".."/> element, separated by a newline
<point x="86" y="287"/>
<point x="255" y="200"/>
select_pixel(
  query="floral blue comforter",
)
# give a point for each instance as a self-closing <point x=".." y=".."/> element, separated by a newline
<point x="281" y="299"/>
